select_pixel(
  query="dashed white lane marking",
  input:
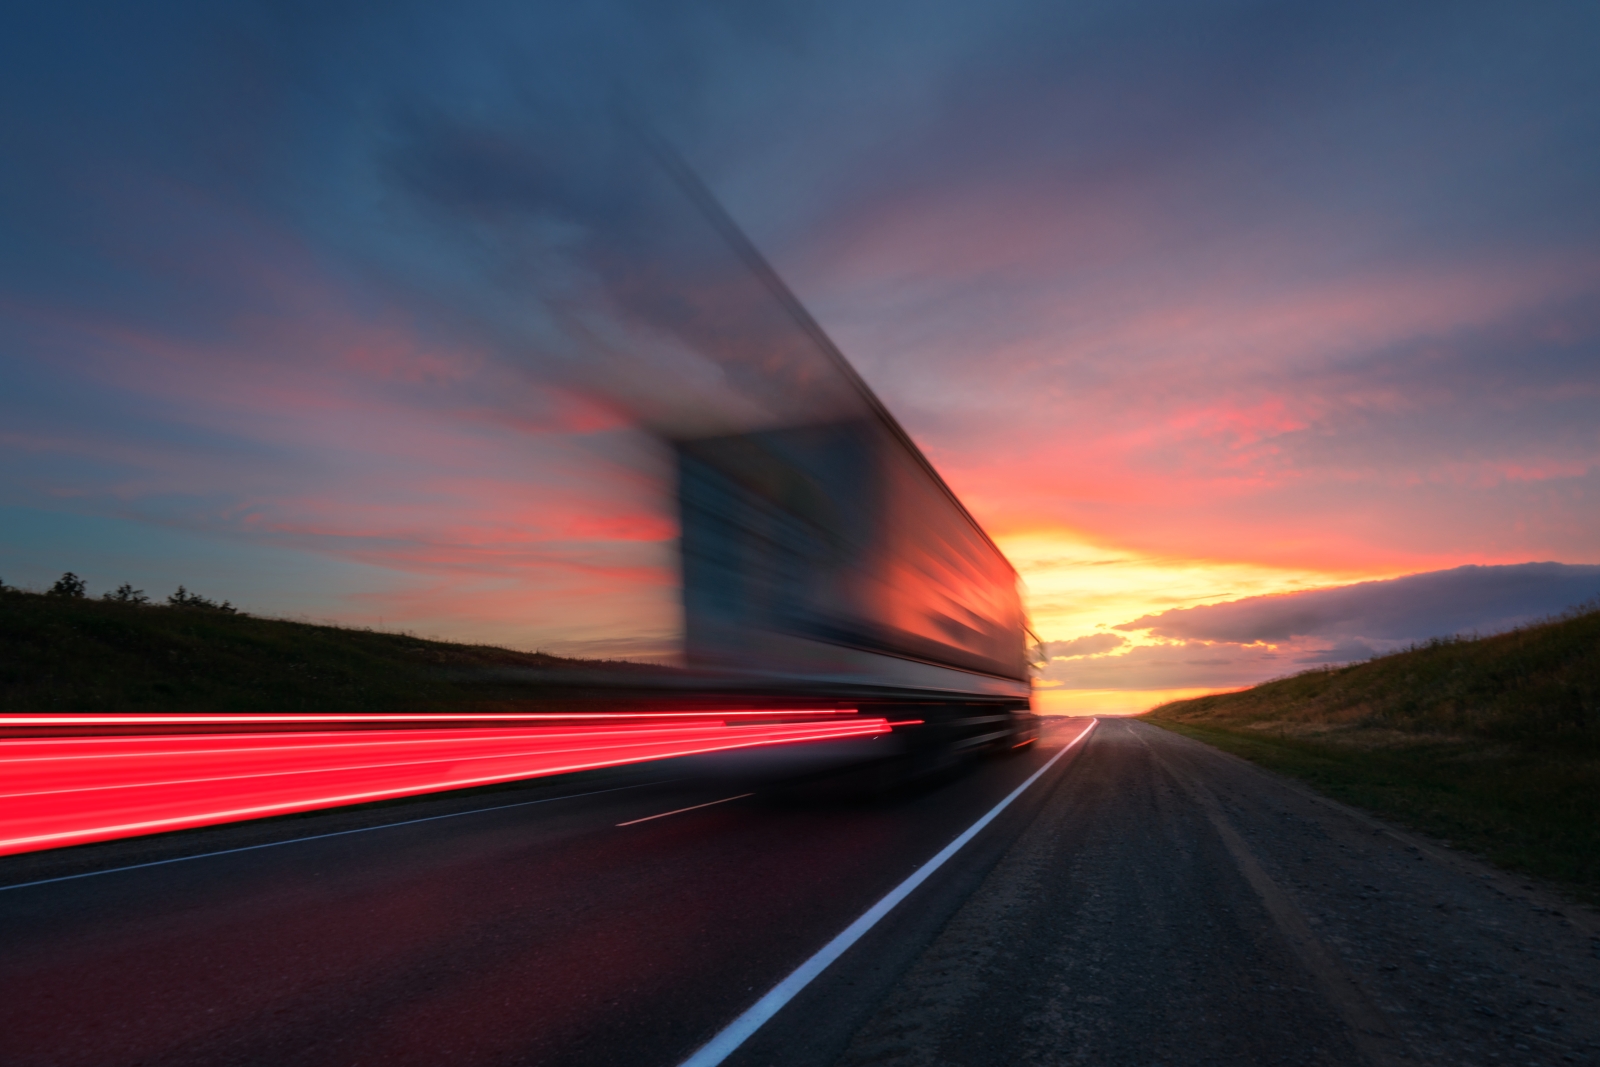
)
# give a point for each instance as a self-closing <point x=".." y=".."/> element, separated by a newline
<point x="319" y="837"/>
<point x="723" y="1045"/>
<point x="679" y="811"/>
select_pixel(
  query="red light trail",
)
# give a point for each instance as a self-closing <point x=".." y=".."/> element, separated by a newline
<point x="60" y="791"/>
<point x="360" y="720"/>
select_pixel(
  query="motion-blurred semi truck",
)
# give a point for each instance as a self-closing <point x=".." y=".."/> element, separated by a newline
<point x="832" y="561"/>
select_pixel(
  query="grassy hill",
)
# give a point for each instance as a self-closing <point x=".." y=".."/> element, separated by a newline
<point x="77" y="654"/>
<point x="1491" y="743"/>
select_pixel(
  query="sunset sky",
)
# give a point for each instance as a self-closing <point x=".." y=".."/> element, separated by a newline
<point x="1190" y="302"/>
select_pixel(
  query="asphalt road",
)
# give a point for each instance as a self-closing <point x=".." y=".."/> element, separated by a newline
<point x="1147" y="901"/>
<point x="1170" y="904"/>
<point x="537" y="933"/>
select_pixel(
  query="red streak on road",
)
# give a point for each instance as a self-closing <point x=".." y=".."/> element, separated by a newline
<point x="359" y="720"/>
<point x="58" y="791"/>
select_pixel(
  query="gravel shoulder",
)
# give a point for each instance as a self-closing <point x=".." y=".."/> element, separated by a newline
<point x="1172" y="904"/>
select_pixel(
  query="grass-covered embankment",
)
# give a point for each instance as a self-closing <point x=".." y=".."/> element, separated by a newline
<point x="1491" y="743"/>
<point x="77" y="654"/>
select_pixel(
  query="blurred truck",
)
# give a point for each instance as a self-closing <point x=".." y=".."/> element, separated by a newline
<point x="831" y="561"/>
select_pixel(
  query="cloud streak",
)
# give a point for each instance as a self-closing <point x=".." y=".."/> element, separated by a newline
<point x="1087" y="645"/>
<point x="1468" y="599"/>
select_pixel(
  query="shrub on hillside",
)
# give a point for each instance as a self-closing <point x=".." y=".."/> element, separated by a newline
<point x="126" y="594"/>
<point x="185" y="599"/>
<point x="69" y="585"/>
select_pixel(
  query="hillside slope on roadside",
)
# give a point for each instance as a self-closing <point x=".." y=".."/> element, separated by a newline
<point x="1492" y="743"/>
<point x="72" y="654"/>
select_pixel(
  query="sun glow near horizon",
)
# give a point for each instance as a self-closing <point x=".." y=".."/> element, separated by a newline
<point x="1078" y="587"/>
<point x="1075" y="585"/>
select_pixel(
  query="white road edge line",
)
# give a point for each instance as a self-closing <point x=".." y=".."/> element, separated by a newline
<point x="719" y="1048"/>
<point x="680" y="811"/>
<point x="319" y="837"/>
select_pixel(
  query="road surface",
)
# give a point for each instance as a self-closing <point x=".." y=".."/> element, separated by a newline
<point x="1148" y="900"/>
<point x="1173" y="905"/>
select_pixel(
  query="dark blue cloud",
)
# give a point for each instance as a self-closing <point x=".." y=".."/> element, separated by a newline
<point x="1461" y="600"/>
